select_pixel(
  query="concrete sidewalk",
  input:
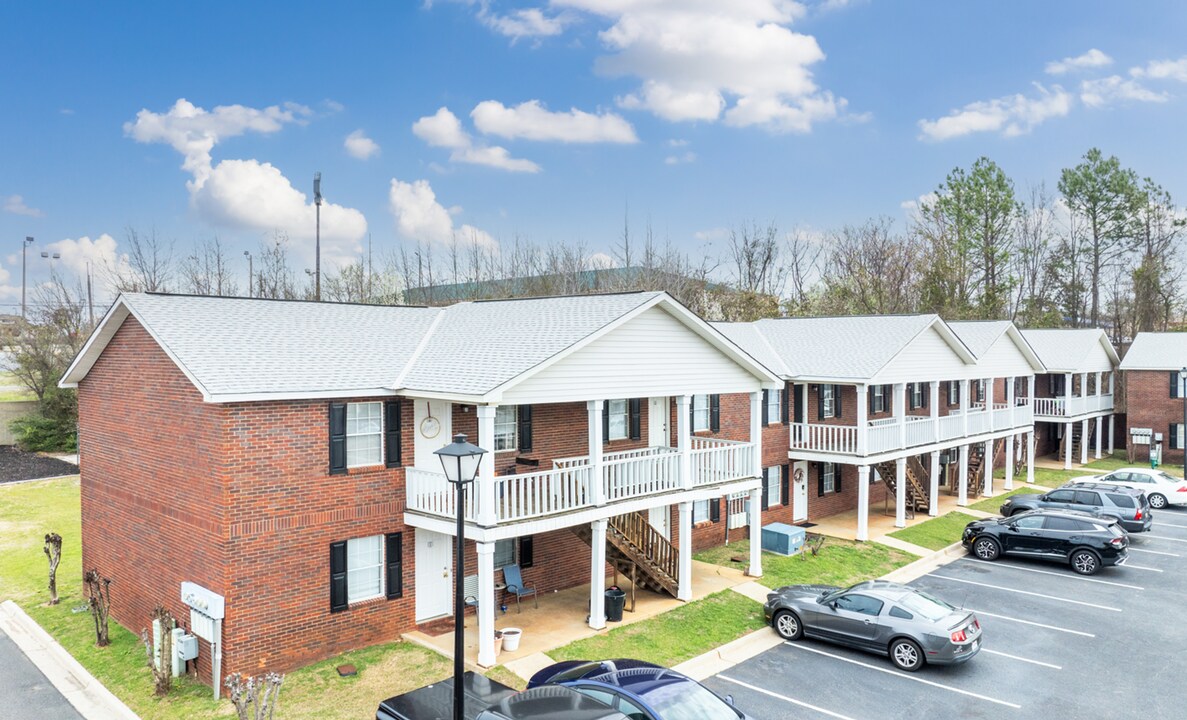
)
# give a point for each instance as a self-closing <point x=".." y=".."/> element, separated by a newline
<point x="79" y="687"/>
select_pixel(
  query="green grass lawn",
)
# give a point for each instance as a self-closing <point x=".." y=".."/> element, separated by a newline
<point x="839" y="562"/>
<point x="992" y="504"/>
<point x="937" y="533"/>
<point x="674" y="636"/>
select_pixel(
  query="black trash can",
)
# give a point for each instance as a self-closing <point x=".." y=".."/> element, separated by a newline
<point x="615" y="602"/>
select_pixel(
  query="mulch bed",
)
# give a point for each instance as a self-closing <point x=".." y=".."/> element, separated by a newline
<point x="16" y="465"/>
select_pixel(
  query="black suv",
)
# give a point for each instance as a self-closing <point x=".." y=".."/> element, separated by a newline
<point x="1085" y="541"/>
<point x="1127" y="505"/>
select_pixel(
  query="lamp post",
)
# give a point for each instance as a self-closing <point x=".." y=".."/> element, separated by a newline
<point x="317" y="247"/>
<point x="460" y="460"/>
<point x="250" y="279"/>
<point x="24" y="246"/>
<point x="1182" y="382"/>
<point x="51" y="258"/>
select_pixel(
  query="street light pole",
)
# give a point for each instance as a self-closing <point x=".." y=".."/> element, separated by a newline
<point x="24" y="246"/>
<point x="317" y="248"/>
<point x="250" y="279"/>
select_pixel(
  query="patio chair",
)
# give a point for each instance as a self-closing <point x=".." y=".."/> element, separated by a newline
<point x="470" y="591"/>
<point x="514" y="581"/>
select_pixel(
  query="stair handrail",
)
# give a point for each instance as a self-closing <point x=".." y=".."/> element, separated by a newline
<point x="637" y="530"/>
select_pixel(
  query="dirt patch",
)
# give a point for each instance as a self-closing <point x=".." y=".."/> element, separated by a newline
<point x="17" y="465"/>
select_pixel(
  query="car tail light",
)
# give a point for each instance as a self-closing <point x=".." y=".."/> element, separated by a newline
<point x="1117" y="541"/>
<point x="1138" y="515"/>
<point x="976" y="623"/>
<point x="959" y="636"/>
<point x="1182" y="488"/>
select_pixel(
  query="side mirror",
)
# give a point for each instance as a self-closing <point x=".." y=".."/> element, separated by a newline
<point x="833" y="604"/>
<point x="729" y="699"/>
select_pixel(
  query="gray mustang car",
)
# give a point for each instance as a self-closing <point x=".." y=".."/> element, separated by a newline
<point x="911" y="627"/>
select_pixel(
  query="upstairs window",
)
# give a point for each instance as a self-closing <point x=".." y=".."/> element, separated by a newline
<point x="506" y="425"/>
<point x="917" y="399"/>
<point x="878" y="398"/>
<point x="828" y="401"/>
<point x="953" y="392"/>
<point x="700" y="412"/>
<point x="619" y="419"/>
<point x="774" y="406"/>
<point x="364" y="434"/>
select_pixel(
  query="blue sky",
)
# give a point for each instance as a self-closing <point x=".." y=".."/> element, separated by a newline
<point x="558" y="115"/>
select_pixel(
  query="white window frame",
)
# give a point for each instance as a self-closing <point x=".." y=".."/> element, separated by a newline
<point x="501" y="549"/>
<point x="878" y="398"/>
<point x="352" y="437"/>
<point x="828" y="474"/>
<point x="916" y="396"/>
<point x="700" y="412"/>
<point x="828" y="403"/>
<point x="954" y="392"/>
<point x="774" y="407"/>
<point x="506" y="432"/>
<point x="618" y="419"/>
<point x="700" y="511"/>
<point x="774" y="481"/>
<point x="358" y="564"/>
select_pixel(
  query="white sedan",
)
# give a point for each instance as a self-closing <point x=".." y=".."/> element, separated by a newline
<point x="1160" y="488"/>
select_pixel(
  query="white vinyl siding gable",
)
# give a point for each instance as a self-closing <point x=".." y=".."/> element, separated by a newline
<point x="927" y="356"/>
<point x="1005" y="359"/>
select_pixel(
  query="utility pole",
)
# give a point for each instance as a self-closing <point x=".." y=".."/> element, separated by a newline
<point x="24" y="246"/>
<point x="90" y="298"/>
<point x="250" y="278"/>
<point x="317" y="249"/>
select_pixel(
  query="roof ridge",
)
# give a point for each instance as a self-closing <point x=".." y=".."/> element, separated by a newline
<point x="420" y="346"/>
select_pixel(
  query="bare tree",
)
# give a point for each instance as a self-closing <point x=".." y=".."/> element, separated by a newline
<point x="803" y="255"/>
<point x="1155" y="278"/>
<point x="53" y="551"/>
<point x="756" y="259"/>
<point x="160" y="658"/>
<point x="206" y="271"/>
<point x="871" y="269"/>
<point x="99" y="600"/>
<point x="275" y="278"/>
<point x="255" y="698"/>
<point x="1036" y="235"/>
<point x="149" y="265"/>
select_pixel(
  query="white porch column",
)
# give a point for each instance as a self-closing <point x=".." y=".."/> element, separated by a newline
<point x="1010" y="440"/>
<point x="1084" y="387"/>
<point x="965" y="405"/>
<point x="1100" y="431"/>
<point x="933" y="407"/>
<point x="486" y="470"/>
<point x="1067" y="445"/>
<point x="684" y="553"/>
<point x="1112" y="401"/>
<point x="597" y="575"/>
<point x="1099" y="383"/>
<point x="1084" y="441"/>
<point x="962" y="499"/>
<point x="900" y="492"/>
<point x="987" y="469"/>
<point x="1030" y="456"/>
<point x="863" y="502"/>
<point x="900" y="412"/>
<point x="597" y="486"/>
<point x="863" y="422"/>
<point x="756" y="429"/>
<point x="933" y="491"/>
<point x="486" y="603"/>
<point x="1010" y="404"/>
<point x="755" y="569"/>
<point x="1112" y="432"/>
<point x="684" y="440"/>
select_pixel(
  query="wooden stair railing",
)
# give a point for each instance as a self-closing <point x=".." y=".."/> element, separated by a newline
<point x="917" y="499"/>
<point x="631" y="538"/>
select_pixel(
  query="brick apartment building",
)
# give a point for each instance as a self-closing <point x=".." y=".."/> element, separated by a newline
<point x="1154" y="395"/>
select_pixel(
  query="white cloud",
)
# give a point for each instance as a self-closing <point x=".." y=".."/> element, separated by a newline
<point x="1011" y="115"/>
<point x="601" y="261"/>
<point x="912" y="208"/>
<point x="248" y="194"/>
<point x="704" y="60"/>
<point x="524" y="23"/>
<point x="1092" y="59"/>
<point x="15" y="204"/>
<point x="443" y="129"/>
<point x="532" y="121"/>
<point x="711" y="235"/>
<point x="420" y="217"/>
<point x="1106" y="91"/>
<point x="677" y="142"/>
<point x="1163" y="70"/>
<point x="360" y="146"/>
<point x="686" y="157"/>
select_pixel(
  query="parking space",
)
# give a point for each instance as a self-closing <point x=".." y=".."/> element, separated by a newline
<point x="1055" y="645"/>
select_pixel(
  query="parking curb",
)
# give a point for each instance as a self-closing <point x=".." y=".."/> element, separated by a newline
<point x="88" y="696"/>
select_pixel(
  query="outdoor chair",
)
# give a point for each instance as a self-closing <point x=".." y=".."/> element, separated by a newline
<point x="513" y="578"/>
<point x="470" y="591"/>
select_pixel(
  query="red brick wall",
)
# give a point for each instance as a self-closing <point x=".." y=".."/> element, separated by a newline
<point x="1149" y="405"/>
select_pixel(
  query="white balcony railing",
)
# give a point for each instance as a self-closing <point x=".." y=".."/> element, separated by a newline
<point x="1069" y="407"/>
<point x="715" y="460"/>
<point x="629" y="474"/>
<point x="824" y="438"/>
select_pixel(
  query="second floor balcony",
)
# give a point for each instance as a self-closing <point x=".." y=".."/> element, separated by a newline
<point x="1068" y="407"/>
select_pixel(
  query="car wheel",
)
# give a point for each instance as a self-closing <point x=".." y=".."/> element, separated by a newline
<point x="986" y="548"/>
<point x="906" y="655"/>
<point x="788" y="625"/>
<point x="1157" y="501"/>
<point x="1085" y="562"/>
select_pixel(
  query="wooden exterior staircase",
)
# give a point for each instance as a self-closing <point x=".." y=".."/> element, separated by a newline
<point x="976" y="481"/>
<point x="917" y="483"/>
<point x="631" y="538"/>
<point x="1072" y="442"/>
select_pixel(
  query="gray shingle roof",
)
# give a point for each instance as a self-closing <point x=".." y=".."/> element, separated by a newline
<point x="1064" y="349"/>
<point x="839" y="347"/>
<point x="1156" y="351"/>
<point x="979" y="335"/>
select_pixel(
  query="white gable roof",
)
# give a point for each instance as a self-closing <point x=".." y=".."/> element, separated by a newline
<point x="236" y="349"/>
<point x="1156" y="351"/>
<point x="999" y="345"/>
<point x="1073" y="349"/>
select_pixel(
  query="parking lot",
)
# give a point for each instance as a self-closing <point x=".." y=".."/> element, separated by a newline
<point x="1055" y="645"/>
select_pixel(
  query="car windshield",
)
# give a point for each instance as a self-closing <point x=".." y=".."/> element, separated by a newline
<point x="1168" y="478"/>
<point x="923" y="604"/>
<point x="688" y="701"/>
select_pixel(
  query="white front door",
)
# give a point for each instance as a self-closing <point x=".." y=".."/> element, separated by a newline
<point x="659" y="518"/>
<point x="799" y="492"/>
<point x="434" y="574"/>
<point x="658" y="414"/>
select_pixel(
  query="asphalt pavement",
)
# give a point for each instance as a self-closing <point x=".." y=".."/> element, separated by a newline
<point x="26" y="693"/>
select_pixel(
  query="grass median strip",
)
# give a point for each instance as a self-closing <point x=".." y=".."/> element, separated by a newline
<point x="839" y="562"/>
<point x="937" y="533"/>
<point x="993" y="504"/>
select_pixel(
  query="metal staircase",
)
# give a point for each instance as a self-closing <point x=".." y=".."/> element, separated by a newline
<point x="632" y="538"/>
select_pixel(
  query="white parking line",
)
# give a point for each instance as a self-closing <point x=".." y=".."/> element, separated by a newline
<point x="902" y="675"/>
<point x="1160" y="537"/>
<point x="1153" y="552"/>
<point x="1026" y="592"/>
<point x="1164" y="523"/>
<point x="1131" y="566"/>
<point x="1032" y="622"/>
<point x="1022" y="659"/>
<point x="1065" y="575"/>
<point x="793" y="701"/>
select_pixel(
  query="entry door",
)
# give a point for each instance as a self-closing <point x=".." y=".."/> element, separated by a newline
<point x="660" y="518"/>
<point x="658" y="414"/>
<point x="434" y="574"/>
<point x="799" y="492"/>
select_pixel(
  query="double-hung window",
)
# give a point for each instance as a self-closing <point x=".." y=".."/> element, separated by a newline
<point x="828" y="401"/>
<point x="774" y="482"/>
<point x="364" y="434"/>
<point x="504" y="553"/>
<point x="878" y="398"/>
<point x="953" y="392"/>
<point x="700" y="412"/>
<point x="700" y="511"/>
<point x="1176" y="436"/>
<point x="828" y="476"/>
<point x="506" y="424"/>
<point x="364" y="568"/>
<point x="774" y="408"/>
<point x="916" y="395"/>
<point x="619" y="420"/>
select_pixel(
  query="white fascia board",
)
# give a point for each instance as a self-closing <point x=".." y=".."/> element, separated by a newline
<point x="1032" y="357"/>
<point x="95" y="344"/>
<point x="299" y="395"/>
<point x="1109" y="349"/>
<point x="949" y="335"/>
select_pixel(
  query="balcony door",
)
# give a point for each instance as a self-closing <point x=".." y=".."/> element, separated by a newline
<point x="658" y="416"/>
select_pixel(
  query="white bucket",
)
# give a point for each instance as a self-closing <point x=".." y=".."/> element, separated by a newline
<point x="511" y="637"/>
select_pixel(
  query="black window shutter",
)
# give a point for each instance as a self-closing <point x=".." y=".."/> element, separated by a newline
<point x="820" y="402"/>
<point x="785" y="406"/>
<point x="1173" y="440"/>
<point x="1174" y="383"/>
<point x="837" y="401"/>
<point x="605" y="422"/>
<point x="636" y="418"/>
<point x="391" y="433"/>
<point x="819" y="479"/>
<point x="837" y="477"/>
<point x="766" y="413"/>
<point x="801" y="410"/>
<point x="873" y="406"/>
<point x="525" y="551"/>
<point x="692" y="412"/>
<point x="337" y="438"/>
<point x="785" y="484"/>
<point x="926" y="395"/>
<point x="338" y="576"/>
<point x="714" y="412"/>
<point x="394" y="557"/>
<point x="715" y="510"/>
<point x="911" y="395"/>
<point x="524" y="418"/>
<point x="766" y="492"/>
